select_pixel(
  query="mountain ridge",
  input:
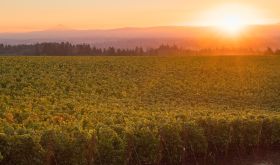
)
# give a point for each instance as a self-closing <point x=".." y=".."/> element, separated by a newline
<point x="259" y="36"/>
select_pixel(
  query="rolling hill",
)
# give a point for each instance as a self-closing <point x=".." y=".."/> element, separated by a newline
<point x="188" y="37"/>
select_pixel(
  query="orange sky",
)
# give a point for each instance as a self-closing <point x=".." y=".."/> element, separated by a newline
<point x="29" y="15"/>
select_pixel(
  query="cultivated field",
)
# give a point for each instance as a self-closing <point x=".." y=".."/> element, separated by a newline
<point x="138" y="110"/>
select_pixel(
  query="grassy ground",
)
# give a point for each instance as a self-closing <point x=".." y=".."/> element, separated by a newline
<point x="137" y="110"/>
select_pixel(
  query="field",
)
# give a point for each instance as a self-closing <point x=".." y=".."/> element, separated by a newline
<point x="138" y="110"/>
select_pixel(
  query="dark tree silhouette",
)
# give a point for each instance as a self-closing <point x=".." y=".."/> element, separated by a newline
<point x="69" y="49"/>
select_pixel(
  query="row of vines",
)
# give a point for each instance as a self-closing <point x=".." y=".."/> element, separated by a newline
<point x="137" y="110"/>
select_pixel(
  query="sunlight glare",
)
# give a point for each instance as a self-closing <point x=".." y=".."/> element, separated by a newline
<point x="231" y="24"/>
<point x="231" y="19"/>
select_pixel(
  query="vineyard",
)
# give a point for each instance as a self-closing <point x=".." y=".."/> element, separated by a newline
<point x="138" y="110"/>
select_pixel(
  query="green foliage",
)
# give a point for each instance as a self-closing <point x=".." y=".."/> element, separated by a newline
<point x="63" y="148"/>
<point x="110" y="147"/>
<point x="20" y="149"/>
<point x="140" y="110"/>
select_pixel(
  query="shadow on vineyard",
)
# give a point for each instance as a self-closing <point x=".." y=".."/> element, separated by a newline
<point x="261" y="158"/>
<point x="140" y="110"/>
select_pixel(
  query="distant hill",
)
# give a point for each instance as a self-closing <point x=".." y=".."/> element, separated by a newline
<point x="187" y="37"/>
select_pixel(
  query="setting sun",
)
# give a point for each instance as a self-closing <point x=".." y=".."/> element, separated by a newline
<point x="231" y="18"/>
<point x="231" y="23"/>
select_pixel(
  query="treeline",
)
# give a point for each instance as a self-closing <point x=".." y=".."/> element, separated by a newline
<point x="68" y="49"/>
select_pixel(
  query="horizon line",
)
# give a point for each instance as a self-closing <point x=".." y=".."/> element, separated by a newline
<point x="65" y="28"/>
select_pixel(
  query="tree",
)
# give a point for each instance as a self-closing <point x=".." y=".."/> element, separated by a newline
<point x="269" y="51"/>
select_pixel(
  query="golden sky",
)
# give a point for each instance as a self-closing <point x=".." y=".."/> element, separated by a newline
<point x="29" y="15"/>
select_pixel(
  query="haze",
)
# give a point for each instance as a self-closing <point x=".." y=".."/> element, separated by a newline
<point x="31" y="15"/>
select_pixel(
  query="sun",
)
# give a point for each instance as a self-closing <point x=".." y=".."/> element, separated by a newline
<point x="231" y="23"/>
<point x="231" y="19"/>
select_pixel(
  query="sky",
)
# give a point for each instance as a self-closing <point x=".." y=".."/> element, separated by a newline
<point x="30" y="15"/>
